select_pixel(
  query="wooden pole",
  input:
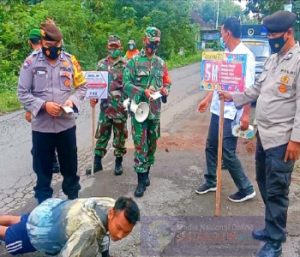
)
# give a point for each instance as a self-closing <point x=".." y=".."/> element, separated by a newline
<point x="219" y="166"/>
<point x="93" y="136"/>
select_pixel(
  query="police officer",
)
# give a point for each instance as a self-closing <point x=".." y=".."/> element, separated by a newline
<point x="113" y="116"/>
<point x="145" y="74"/>
<point x="49" y="81"/>
<point x="277" y="92"/>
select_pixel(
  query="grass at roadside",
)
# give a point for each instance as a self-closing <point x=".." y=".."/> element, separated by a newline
<point x="9" y="101"/>
<point x="179" y="61"/>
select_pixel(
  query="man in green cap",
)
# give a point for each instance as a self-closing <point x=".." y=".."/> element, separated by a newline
<point x="145" y="74"/>
<point x="34" y="40"/>
<point x="113" y="116"/>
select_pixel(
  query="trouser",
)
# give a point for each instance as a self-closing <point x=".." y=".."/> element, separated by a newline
<point x="103" y="134"/>
<point x="273" y="177"/>
<point x="145" y="135"/>
<point x="230" y="159"/>
<point x="43" y="150"/>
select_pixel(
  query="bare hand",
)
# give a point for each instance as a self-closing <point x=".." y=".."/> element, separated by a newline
<point x="292" y="152"/>
<point x="28" y="116"/>
<point x="93" y="102"/>
<point x="244" y="122"/>
<point x="203" y="105"/>
<point x="148" y="92"/>
<point x="226" y="96"/>
<point x="164" y="91"/>
<point x="53" y="109"/>
<point x="68" y="103"/>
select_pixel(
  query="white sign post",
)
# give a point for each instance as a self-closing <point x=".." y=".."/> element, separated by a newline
<point x="97" y="88"/>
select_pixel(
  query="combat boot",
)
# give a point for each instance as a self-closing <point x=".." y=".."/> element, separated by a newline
<point x="147" y="180"/>
<point x="97" y="165"/>
<point x="118" y="166"/>
<point x="140" y="189"/>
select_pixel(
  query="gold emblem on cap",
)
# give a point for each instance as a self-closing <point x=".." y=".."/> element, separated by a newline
<point x="43" y="33"/>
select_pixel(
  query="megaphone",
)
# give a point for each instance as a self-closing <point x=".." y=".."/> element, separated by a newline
<point x="141" y="110"/>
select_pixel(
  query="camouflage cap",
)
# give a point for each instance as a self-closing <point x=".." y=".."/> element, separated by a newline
<point x="153" y="34"/>
<point x="35" y="34"/>
<point x="50" y="31"/>
<point x="131" y="41"/>
<point x="114" y="40"/>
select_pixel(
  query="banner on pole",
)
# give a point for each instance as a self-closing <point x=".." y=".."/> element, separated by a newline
<point x="223" y="71"/>
<point x="97" y="84"/>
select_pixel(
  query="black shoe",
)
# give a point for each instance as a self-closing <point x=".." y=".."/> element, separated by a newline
<point x="147" y="180"/>
<point x="270" y="249"/>
<point x="260" y="234"/>
<point x="239" y="197"/>
<point x="118" y="166"/>
<point x="141" y="188"/>
<point x="97" y="165"/>
<point x="204" y="188"/>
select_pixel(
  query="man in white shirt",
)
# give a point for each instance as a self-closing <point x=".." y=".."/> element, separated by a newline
<point x="230" y="33"/>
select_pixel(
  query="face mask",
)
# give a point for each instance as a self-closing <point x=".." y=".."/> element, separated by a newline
<point x="222" y="43"/>
<point x="52" y="52"/>
<point x="114" y="53"/>
<point x="276" y="44"/>
<point x="131" y="47"/>
<point x="152" y="47"/>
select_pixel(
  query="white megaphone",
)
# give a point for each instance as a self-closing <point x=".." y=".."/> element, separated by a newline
<point x="141" y="110"/>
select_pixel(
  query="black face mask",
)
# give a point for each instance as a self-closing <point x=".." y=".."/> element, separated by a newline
<point x="152" y="47"/>
<point x="52" y="52"/>
<point x="276" y="44"/>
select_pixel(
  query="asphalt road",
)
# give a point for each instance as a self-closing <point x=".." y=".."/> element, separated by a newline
<point x="175" y="221"/>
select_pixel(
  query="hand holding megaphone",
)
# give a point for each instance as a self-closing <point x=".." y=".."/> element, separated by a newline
<point x="141" y="110"/>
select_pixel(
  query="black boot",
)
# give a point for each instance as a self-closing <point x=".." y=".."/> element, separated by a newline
<point x="118" y="166"/>
<point x="97" y="165"/>
<point x="147" y="180"/>
<point x="140" y="189"/>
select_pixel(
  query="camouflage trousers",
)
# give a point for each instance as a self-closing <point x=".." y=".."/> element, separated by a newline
<point x="103" y="134"/>
<point x="144" y="136"/>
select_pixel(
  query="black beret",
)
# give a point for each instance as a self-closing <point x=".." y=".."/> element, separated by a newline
<point x="50" y="31"/>
<point x="279" y="21"/>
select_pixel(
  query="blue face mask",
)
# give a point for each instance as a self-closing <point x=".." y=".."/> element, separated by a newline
<point x="222" y="43"/>
<point x="152" y="47"/>
<point x="276" y="44"/>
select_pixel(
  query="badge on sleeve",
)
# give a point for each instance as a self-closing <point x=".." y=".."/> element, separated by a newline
<point x="284" y="79"/>
<point x="27" y="63"/>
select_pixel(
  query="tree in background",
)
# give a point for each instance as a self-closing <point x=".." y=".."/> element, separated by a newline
<point x="86" y="25"/>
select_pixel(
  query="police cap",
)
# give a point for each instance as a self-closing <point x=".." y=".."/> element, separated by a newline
<point x="50" y="31"/>
<point x="279" y="21"/>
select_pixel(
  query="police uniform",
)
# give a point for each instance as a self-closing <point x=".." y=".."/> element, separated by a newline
<point x="42" y="82"/>
<point x="277" y="92"/>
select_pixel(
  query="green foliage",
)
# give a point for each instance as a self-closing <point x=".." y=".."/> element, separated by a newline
<point x="86" y="25"/>
<point x="8" y="102"/>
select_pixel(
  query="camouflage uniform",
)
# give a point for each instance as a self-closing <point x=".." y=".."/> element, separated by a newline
<point x="113" y="115"/>
<point x="143" y="73"/>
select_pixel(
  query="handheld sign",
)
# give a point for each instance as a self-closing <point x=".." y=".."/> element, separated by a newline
<point x="223" y="71"/>
<point x="97" y="84"/>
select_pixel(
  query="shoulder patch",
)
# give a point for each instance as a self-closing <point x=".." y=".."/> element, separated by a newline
<point x="27" y="63"/>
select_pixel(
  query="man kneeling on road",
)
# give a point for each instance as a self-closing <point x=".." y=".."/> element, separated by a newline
<point x="80" y="227"/>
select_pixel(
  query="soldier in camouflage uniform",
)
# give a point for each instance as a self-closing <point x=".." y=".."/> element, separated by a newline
<point x="113" y="115"/>
<point x="145" y="74"/>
